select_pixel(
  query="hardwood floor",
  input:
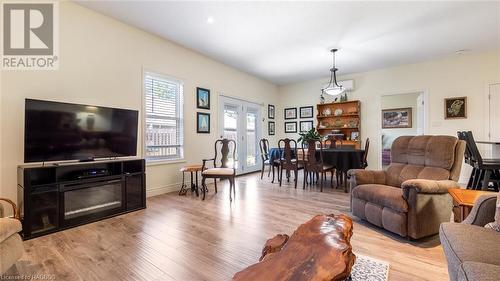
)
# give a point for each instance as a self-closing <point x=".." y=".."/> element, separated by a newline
<point x="184" y="238"/>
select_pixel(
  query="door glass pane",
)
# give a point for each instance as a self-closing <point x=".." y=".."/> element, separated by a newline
<point x="231" y="128"/>
<point x="251" y="139"/>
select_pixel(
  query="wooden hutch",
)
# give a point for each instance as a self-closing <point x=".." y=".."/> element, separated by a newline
<point x="344" y="117"/>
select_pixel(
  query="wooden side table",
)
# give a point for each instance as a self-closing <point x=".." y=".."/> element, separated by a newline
<point x="190" y="169"/>
<point x="463" y="201"/>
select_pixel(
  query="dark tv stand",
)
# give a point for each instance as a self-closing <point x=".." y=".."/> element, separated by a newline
<point x="65" y="195"/>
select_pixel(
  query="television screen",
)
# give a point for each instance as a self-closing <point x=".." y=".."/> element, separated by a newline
<point x="57" y="131"/>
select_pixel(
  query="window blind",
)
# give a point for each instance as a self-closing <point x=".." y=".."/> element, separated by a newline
<point x="164" y="122"/>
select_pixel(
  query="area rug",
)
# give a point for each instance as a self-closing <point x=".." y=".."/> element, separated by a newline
<point x="369" y="269"/>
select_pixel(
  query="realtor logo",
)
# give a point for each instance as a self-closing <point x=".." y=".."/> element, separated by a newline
<point x="30" y="36"/>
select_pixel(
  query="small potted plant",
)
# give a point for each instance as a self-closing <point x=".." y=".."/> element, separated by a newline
<point x="310" y="137"/>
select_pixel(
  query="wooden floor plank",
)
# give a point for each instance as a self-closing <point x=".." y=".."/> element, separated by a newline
<point x="184" y="238"/>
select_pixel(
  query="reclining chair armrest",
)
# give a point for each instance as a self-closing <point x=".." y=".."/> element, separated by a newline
<point x="360" y="176"/>
<point x="483" y="211"/>
<point x="427" y="186"/>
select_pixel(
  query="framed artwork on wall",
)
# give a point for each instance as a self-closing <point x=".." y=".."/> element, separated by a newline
<point x="396" y="118"/>
<point x="202" y="123"/>
<point x="290" y="127"/>
<point x="291" y="113"/>
<point x="202" y="98"/>
<point x="270" y="111"/>
<point x="306" y="112"/>
<point x="355" y="136"/>
<point x="271" y="128"/>
<point x="455" y="108"/>
<point x="306" y="126"/>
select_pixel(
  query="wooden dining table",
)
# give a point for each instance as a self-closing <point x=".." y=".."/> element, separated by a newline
<point x="343" y="159"/>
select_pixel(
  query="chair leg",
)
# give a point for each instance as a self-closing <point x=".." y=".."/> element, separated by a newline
<point x="321" y="183"/>
<point x="215" y="185"/>
<point x="269" y="171"/>
<point x="262" y="170"/>
<point x="230" y="189"/>
<point x="272" y="181"/>
<point x="486" y="180"/>
<point x="296" y="174"/>
<point x="471" y="178"/>
<point x="304" y="179"/>
<point x="203" y="187"/>
<point x="280" y="175"/>
<point x="480" y="176"/>
<point x="345" y="182"/>
<point x="331" y="179"/>
<point x="477" y="175"/>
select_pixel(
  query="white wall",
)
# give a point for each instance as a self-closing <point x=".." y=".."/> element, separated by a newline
<point x="101" y="63"/>
<point x="454" y="76"/>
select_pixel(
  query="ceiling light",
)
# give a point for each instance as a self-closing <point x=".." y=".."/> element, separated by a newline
<point x="333" y="88"/>
<point x="210" y="20"/>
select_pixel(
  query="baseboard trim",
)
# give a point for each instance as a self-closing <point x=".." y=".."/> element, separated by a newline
<point x="154" y="191"/>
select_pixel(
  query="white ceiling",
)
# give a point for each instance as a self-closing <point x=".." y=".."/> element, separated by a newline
<point x="286" y="42"/>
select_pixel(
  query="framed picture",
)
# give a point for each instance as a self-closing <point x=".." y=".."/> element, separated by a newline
<point x="355" y="136"/>
<point x="306" y="112"/>
<point x="455" y="108"/>
<point x="396" y="118"/>
<point x="270" y="111"/>
<point x="291" y="113"/>
<point x="202" y="98"/>
<point x="271" y="128"/>
<point x="290" y="127"/>
<point x="306" y="126"/>
<point x="202" y="123"/>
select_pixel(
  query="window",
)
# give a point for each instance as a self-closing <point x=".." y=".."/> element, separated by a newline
<point x="163" y="117"/>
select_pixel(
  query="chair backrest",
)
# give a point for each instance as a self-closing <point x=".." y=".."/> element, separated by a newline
<point x="425" y="157"/>
<point x="475" y="155"/>
<point x="331" y="142"/>
<point x="264" y="149"/>
<point x="365" y="156"/>
<point x="289" y="147"/>
<point x="468" y="152"/>
<point x="314" y="159"/>
<point x="227" y="148"/>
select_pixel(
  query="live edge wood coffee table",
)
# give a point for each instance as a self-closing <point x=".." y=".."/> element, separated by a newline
<point x="463" y="201"/>
<point x="319" y="249"/>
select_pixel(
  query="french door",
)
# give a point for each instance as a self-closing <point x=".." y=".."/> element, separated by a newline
<point x="240" y="121"/>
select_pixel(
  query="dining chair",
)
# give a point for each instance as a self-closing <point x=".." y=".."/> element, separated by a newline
<point x="468" y="159"/>
<point x="315" y="163"/>
<point x="331" y="142"/>
<point x="226" y="169"/>
<point x="487" y="169"/>
<point x="288" y="161"/>
<point x="364" y="162"/>
<point x="264" y="155"/>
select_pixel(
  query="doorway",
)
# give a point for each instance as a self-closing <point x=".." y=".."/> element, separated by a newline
<point x="240" y="121"/>
<point x="493" y="118"/>
<point x="403" y="114"/>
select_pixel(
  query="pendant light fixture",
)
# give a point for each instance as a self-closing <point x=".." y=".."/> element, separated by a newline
<point x="333" y="88"/>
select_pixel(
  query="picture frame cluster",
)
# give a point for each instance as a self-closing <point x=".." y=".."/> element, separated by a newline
<point x="202" y="118"/>
<point x="305" y="112"/>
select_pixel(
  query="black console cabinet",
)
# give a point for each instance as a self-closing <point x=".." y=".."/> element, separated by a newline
<point x="60" y="196"/>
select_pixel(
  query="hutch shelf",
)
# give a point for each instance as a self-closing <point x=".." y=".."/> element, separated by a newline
<point x="341" y="119"/>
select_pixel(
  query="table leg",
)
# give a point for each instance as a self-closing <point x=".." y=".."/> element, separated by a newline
<point x="196" y="187"/>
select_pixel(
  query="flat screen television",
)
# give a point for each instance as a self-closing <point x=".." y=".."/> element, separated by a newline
<point x="56" y="131"/>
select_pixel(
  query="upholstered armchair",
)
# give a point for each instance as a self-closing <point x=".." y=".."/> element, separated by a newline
<point x="411" y="197"/>
<point x="11" y="244"/>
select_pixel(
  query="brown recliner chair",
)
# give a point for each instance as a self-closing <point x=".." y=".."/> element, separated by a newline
<point x="411" y="197"/>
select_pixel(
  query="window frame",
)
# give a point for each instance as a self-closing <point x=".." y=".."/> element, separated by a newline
<point x="180" y="82"/>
